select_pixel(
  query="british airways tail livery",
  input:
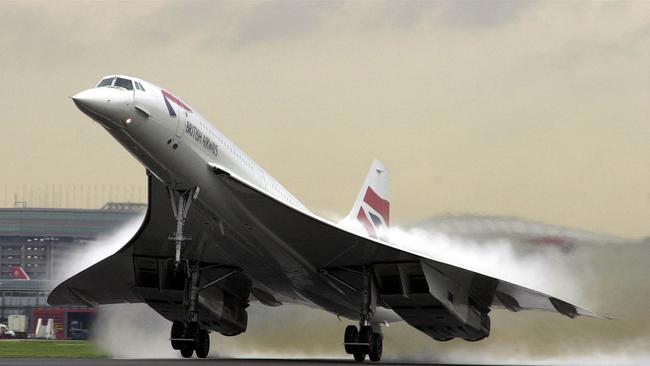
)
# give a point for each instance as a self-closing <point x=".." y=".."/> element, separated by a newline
<point x="18" y="273"/>
<point x="372" y="208"/>
<point x="221" y="232"/>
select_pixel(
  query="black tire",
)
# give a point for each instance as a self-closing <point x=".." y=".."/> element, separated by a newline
<point x="351" y="336"/>
<point x="365" y="336"/>
<point x="178" y="328"/>
<point x="376" y="347"/>
<point x="359" y="356"/>
<point x="203" y="344"/>
<point x="187" y="351"/>
<point x="191" y="332"/>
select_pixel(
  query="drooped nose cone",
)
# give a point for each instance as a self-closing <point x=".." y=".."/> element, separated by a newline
<point x="108" y="106"/>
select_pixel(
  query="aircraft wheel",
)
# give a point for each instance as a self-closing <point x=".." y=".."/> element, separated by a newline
<point x="359" y="356"/>
<point x="191" y="331"/>
<point x="376" y="347"/>
<point x="203" y="344"/>
<point x="187" y="351"/>
<point x="351" y="336"/>
<point x="178" y="328"/>
<point x="365" y="336"/>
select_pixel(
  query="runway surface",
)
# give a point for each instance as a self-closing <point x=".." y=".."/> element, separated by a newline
<point x="168" y="362"/>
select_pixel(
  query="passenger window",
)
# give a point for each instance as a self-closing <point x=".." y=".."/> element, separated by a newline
<point x="105" y="82"/>
<point x="141" y="87"/>
<point x="124" y="83"/>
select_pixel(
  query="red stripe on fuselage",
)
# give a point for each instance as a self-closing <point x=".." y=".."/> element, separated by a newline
<point x="171" y="97"/>
<point x="380" y="205"/>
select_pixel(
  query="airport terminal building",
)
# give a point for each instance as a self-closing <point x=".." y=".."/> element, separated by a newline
<point x="42" y="242"/>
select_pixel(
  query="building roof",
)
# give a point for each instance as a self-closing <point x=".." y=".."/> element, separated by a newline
<point x="74" y="223"/>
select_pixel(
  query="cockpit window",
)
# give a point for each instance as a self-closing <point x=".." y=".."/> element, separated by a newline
<point x="105" y="82"/>
<point x="124" y="83"/>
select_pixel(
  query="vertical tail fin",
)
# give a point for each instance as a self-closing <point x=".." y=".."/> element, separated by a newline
<point x="372" y="208"/>
<point x="18" y="273"/>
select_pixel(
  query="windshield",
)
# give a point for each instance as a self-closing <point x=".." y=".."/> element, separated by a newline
<point x="105" y="82"/>
<point x="124" y="83"/>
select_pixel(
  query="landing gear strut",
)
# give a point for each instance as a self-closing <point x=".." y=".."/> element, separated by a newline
<point x="186" y="336"/>
<point x="181" y="203"/>
<point x="364" y="341"/>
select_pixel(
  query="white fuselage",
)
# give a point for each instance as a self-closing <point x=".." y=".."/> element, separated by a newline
<point x="178" y="146"/>
<point x="181" y="148"/>
<point x="153" y="131"/>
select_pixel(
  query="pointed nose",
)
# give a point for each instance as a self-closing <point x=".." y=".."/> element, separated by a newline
<point x="107" y="106"/>
<point x="90" y="99"/>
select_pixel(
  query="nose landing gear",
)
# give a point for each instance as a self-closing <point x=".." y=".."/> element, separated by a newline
<point x="186" y="336"/>
<point x="181" y="203"/>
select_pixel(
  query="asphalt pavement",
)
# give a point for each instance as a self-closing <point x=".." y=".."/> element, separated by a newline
<point x="173" y="362"/>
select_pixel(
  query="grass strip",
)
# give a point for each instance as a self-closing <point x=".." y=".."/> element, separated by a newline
<point x="53" y="349"/>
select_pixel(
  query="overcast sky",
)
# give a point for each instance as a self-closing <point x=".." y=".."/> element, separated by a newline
<point x="538" y="110"/>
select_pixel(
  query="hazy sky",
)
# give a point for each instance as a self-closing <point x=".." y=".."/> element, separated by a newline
<point x="539" y="110"/>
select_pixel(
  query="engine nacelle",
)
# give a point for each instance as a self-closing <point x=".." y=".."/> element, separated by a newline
<point x="222" y="312"/>
<point x="435" y="301"/>
<point x="225" y="311"/>
<point x="221" y="307"/>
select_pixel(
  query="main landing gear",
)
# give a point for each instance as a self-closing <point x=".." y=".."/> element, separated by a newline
<point x="365" y="341"/>
<point x="189" y="338"/>
<point x="186" y="336"/>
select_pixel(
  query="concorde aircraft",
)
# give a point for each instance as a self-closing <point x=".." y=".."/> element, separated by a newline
<point x="220" y="232"/>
